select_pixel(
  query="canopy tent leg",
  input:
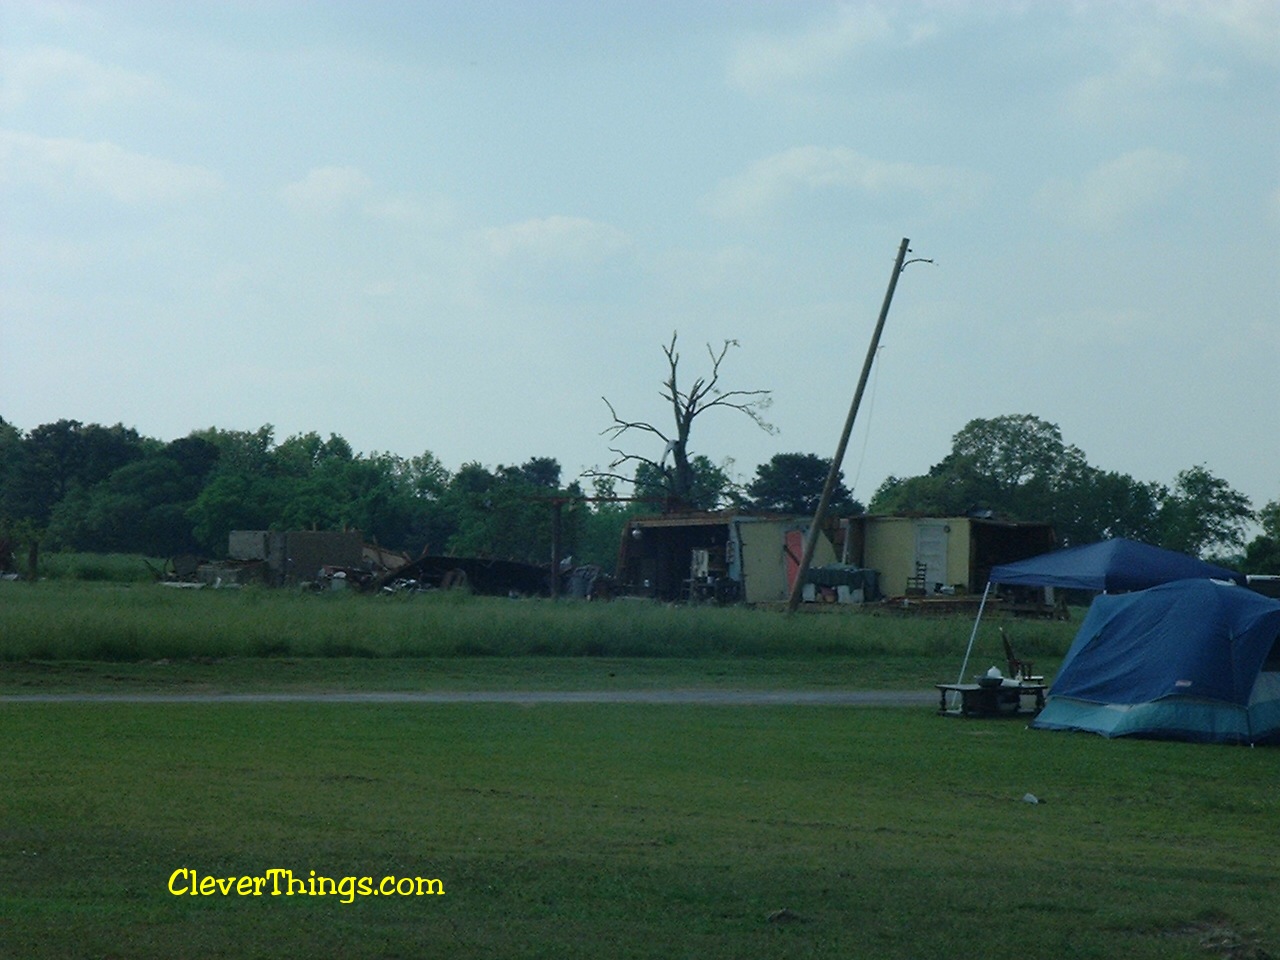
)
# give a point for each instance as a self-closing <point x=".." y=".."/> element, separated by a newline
<point x="968" y="650"/>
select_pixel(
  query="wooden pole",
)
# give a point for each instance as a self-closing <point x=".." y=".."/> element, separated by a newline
<point x="815" y="529"/>
<point x="556" y="515"/>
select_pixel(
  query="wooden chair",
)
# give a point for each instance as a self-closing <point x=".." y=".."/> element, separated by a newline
<point x="916" y="585"/>
<point x="1018" y="668"/>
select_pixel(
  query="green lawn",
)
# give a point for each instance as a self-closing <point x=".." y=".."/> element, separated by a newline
<point x="627" y="831"/>
<point x="588" y="830"/>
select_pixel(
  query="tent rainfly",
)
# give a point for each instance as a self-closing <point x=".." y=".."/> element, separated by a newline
<point x="1188" y="660"/>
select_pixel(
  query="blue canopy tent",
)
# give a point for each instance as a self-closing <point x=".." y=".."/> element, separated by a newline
<point x="1188" y="660"/>
<point x="1108" y="566"/>
<point x="1111" y="566"/>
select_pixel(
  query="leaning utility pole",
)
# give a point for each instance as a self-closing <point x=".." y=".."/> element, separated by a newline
<point x="811" y="538"/>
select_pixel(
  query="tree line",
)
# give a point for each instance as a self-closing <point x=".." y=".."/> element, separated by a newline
<point x="1019" y="467"/>
<point x="97" y="488"/>
<point x="108" y="489"/>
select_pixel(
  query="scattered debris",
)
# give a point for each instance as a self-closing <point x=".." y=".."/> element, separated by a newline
<point x="1220" y="939"/>
<point x="492" y="577"/>
<point x="184" y="568"/>
<point x="785" y="915"/>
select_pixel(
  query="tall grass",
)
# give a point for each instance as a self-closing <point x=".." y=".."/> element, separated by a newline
<point x="76" y="620"/>
<point x="97" y="567"/>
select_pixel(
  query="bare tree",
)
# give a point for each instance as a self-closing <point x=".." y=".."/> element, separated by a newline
<point x="686" y="406"/>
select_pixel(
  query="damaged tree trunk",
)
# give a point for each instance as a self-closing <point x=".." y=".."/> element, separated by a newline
<point x="686" y="407"/>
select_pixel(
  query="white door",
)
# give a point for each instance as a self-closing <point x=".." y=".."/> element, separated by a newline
<point x="931" y="550"/>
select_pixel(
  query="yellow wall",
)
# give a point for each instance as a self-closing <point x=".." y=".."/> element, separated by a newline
<point x="891" y="549"/>
<point x="764" y="563"/>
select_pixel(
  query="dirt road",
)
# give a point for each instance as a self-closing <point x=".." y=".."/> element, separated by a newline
<point x="724" y="698"/>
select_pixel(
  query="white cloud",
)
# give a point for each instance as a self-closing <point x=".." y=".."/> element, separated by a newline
<point x="720" y="271"/>
<point x="1117" y="191"/>
<point x="1162" y="49"/>
<point x="770" y="184"/>
<point x="31" y="74"/>
<point x="62" y="165"/>
<point x="1251" y="26"/>
<point x="1147" y="68"/>
<point x="763" y="61"/>
<point x="424" y="211"/>
<point x="326" y="191"/>
<point x="1141" y="69"/>
<point x="333" y="191"/>
<point x="557" y="238"/>
<point x="395" y="210"/>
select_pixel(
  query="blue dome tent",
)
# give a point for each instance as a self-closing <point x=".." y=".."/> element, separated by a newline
<point x="1187" y="660"/>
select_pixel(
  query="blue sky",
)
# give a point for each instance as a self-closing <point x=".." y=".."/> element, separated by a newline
<point x="455" y="226"/>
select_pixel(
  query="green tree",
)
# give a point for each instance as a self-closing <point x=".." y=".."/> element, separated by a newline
<point x="250" y="488"/>
<point x="315" y="483"/>
<point x="708" y="485"/>
<point x="604" y="521"/>
<point x="507" y="512"/>
<point x="400" y="501"/>
<point x="19" y="542"/>
<point x="1019" y="467"/>
<point x="426" y="482"/>
<point x="231" y="500"/>
<point x="140" y="508"/>
<point x="56" y="458"/>
<point x="1262" y="555"/>
<point x="929" y="494"/>
<point x="538" y="472"/>
<point x="1010" y="451"/>
<point x="1098" y="505"/>
<point x="1016" y="466"/>
<point x="1202" y="512"/>
<point x="793" y="482"/>
<point x="241" y="450"/>
<point x="10" y="455"/>
<point x="308" y="482"/>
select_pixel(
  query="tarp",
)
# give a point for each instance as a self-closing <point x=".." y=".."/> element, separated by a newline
<point x="1183" y="660"/>
<point x="1111" y="565"/>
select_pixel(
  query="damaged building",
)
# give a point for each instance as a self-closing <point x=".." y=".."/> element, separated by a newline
<point x="281" y="557"/>
<point x="725" y="556"/>
<point x="732" y="555"/>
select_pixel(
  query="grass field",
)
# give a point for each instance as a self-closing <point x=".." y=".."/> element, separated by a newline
<point x="582" y="830"/>
<point x="92" y="621"/>
<point x="627" y="831"/>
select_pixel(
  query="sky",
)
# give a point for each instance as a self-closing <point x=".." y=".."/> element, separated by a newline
<point x="456" y="226"/>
